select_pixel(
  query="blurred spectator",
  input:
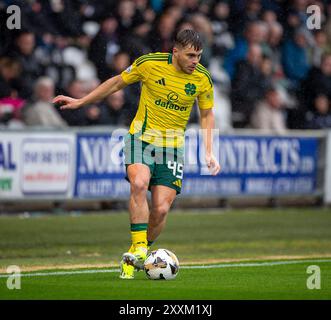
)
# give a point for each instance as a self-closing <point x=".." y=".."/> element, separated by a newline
<point x="250" y="13"/>
<point x="201" y="24"/>
<point x="127" y="18"/>
<point x="10" y="112"/>
<point x="104" y="46"/>
<point x="223" y="39"/>
<point x="66" y="17"/>
<point x="23" y="49"/>
<point x="142" y="8"/>
<point x="248" y="86"/>
<point x="255" y="33"/>
<point x="10" y="69"/>
<point x="76" y="90"/>
<point x="113" y="110"/>
<point x="137" y="43"/>
<point x="95" y="9"/>
<point x="40" y="17"/>
<point x="192" y="6"/>
<point x="268" y="114"/>
<point x="10" y="103"/>
<point x="157" y="5"/>
<point x="132" y="93"/>
<point x="92" y="113"/>
<point x="137" y="40"/>
<point x="5" y="34"/>
<point x="296" y="17"/>
<point x="274" y="52"/>
<point x="51" y="56"/>
<point x="328" y="24"/>
<point x="274" y="38"/>
<point x="320" y="116"/>
<point x="183" y="25"/>
<point x="41" y="111"/>
<point x="161" y="40"/>
<point x="119" y="63"/>
<point x="266" y="68"/>
<point x="319" y="47"/>
<point x="317" y="82"/>
<point x="177" y="12"/>
<point x="269" y="17"/>
<point x="205" y="7"/>
<point x="295" y="57"/>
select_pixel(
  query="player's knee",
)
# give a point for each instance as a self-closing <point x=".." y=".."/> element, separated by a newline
<point x="160" y="212"/>
<point x="139" y="185"/>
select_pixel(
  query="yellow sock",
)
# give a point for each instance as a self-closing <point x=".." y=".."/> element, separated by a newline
<point x="139" y="238"/>
<point x="139" y="235"/>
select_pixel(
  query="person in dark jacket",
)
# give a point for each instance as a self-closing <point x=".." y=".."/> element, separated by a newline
<point x="104" y="46"/>
<point x="248" y="86"/>
<point x="318" y="81"/>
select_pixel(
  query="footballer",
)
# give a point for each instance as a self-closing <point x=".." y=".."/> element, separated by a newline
<point x="154" y="145"/>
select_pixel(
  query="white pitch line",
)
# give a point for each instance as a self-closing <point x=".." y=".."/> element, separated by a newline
<point x="211" y="266"/>
<point x="61" y="273"/>
<point x="253" y="264"/>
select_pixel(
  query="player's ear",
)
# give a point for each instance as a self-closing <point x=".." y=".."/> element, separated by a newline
<point x="175" y="51"/>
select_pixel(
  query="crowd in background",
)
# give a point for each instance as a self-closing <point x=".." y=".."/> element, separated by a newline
<point x="270" y="71"/>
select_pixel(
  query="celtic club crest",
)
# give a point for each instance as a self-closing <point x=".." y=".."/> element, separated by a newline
<point x="190" y="89"/>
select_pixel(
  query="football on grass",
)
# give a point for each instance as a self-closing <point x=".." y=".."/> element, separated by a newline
<point x="161" y="264"/>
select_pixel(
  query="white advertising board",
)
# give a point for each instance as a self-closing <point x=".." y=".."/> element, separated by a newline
<point x="36" y="165"/>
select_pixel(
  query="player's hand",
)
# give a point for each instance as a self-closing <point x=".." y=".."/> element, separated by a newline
<point x="67" y="102"/>
<point x="212" y="164"/>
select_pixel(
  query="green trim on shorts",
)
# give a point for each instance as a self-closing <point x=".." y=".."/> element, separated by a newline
<point x="166" y="184"/>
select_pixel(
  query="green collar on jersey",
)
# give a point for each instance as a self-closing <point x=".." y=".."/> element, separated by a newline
<point x="170" y="58"/>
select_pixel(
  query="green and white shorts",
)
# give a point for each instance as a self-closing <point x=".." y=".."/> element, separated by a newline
<point x="166" y="165"/>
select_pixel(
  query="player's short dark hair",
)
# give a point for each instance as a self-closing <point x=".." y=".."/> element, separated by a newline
<point x="188" y="37"/>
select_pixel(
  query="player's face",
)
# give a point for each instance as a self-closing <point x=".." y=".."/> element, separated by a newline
<point x="187" y="58"/>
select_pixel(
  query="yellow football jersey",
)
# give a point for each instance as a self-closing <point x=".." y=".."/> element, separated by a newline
<point x="167" y="97"/>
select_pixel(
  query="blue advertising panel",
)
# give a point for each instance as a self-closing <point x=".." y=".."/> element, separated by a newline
<point x="251" y="165"/>
<point x="100" y="168"/>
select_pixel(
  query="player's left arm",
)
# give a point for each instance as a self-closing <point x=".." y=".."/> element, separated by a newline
<point x="207" y="122"/>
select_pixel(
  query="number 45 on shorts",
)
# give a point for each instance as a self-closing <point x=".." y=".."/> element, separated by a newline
<point x="177" y="169"/>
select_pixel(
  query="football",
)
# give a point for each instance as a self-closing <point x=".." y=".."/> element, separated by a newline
<point x="161" y="264"/>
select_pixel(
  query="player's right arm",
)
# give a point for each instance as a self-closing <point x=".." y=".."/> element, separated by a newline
<point x="103" y="90"/>
<point x="138" y="71"/>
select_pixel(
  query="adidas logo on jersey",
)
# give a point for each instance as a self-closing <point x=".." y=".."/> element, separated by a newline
<point x="161" y="82"/>
<point x="178" y="183"/>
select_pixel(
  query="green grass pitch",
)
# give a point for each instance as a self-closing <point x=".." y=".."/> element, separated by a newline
<point x="237" y="254"/>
